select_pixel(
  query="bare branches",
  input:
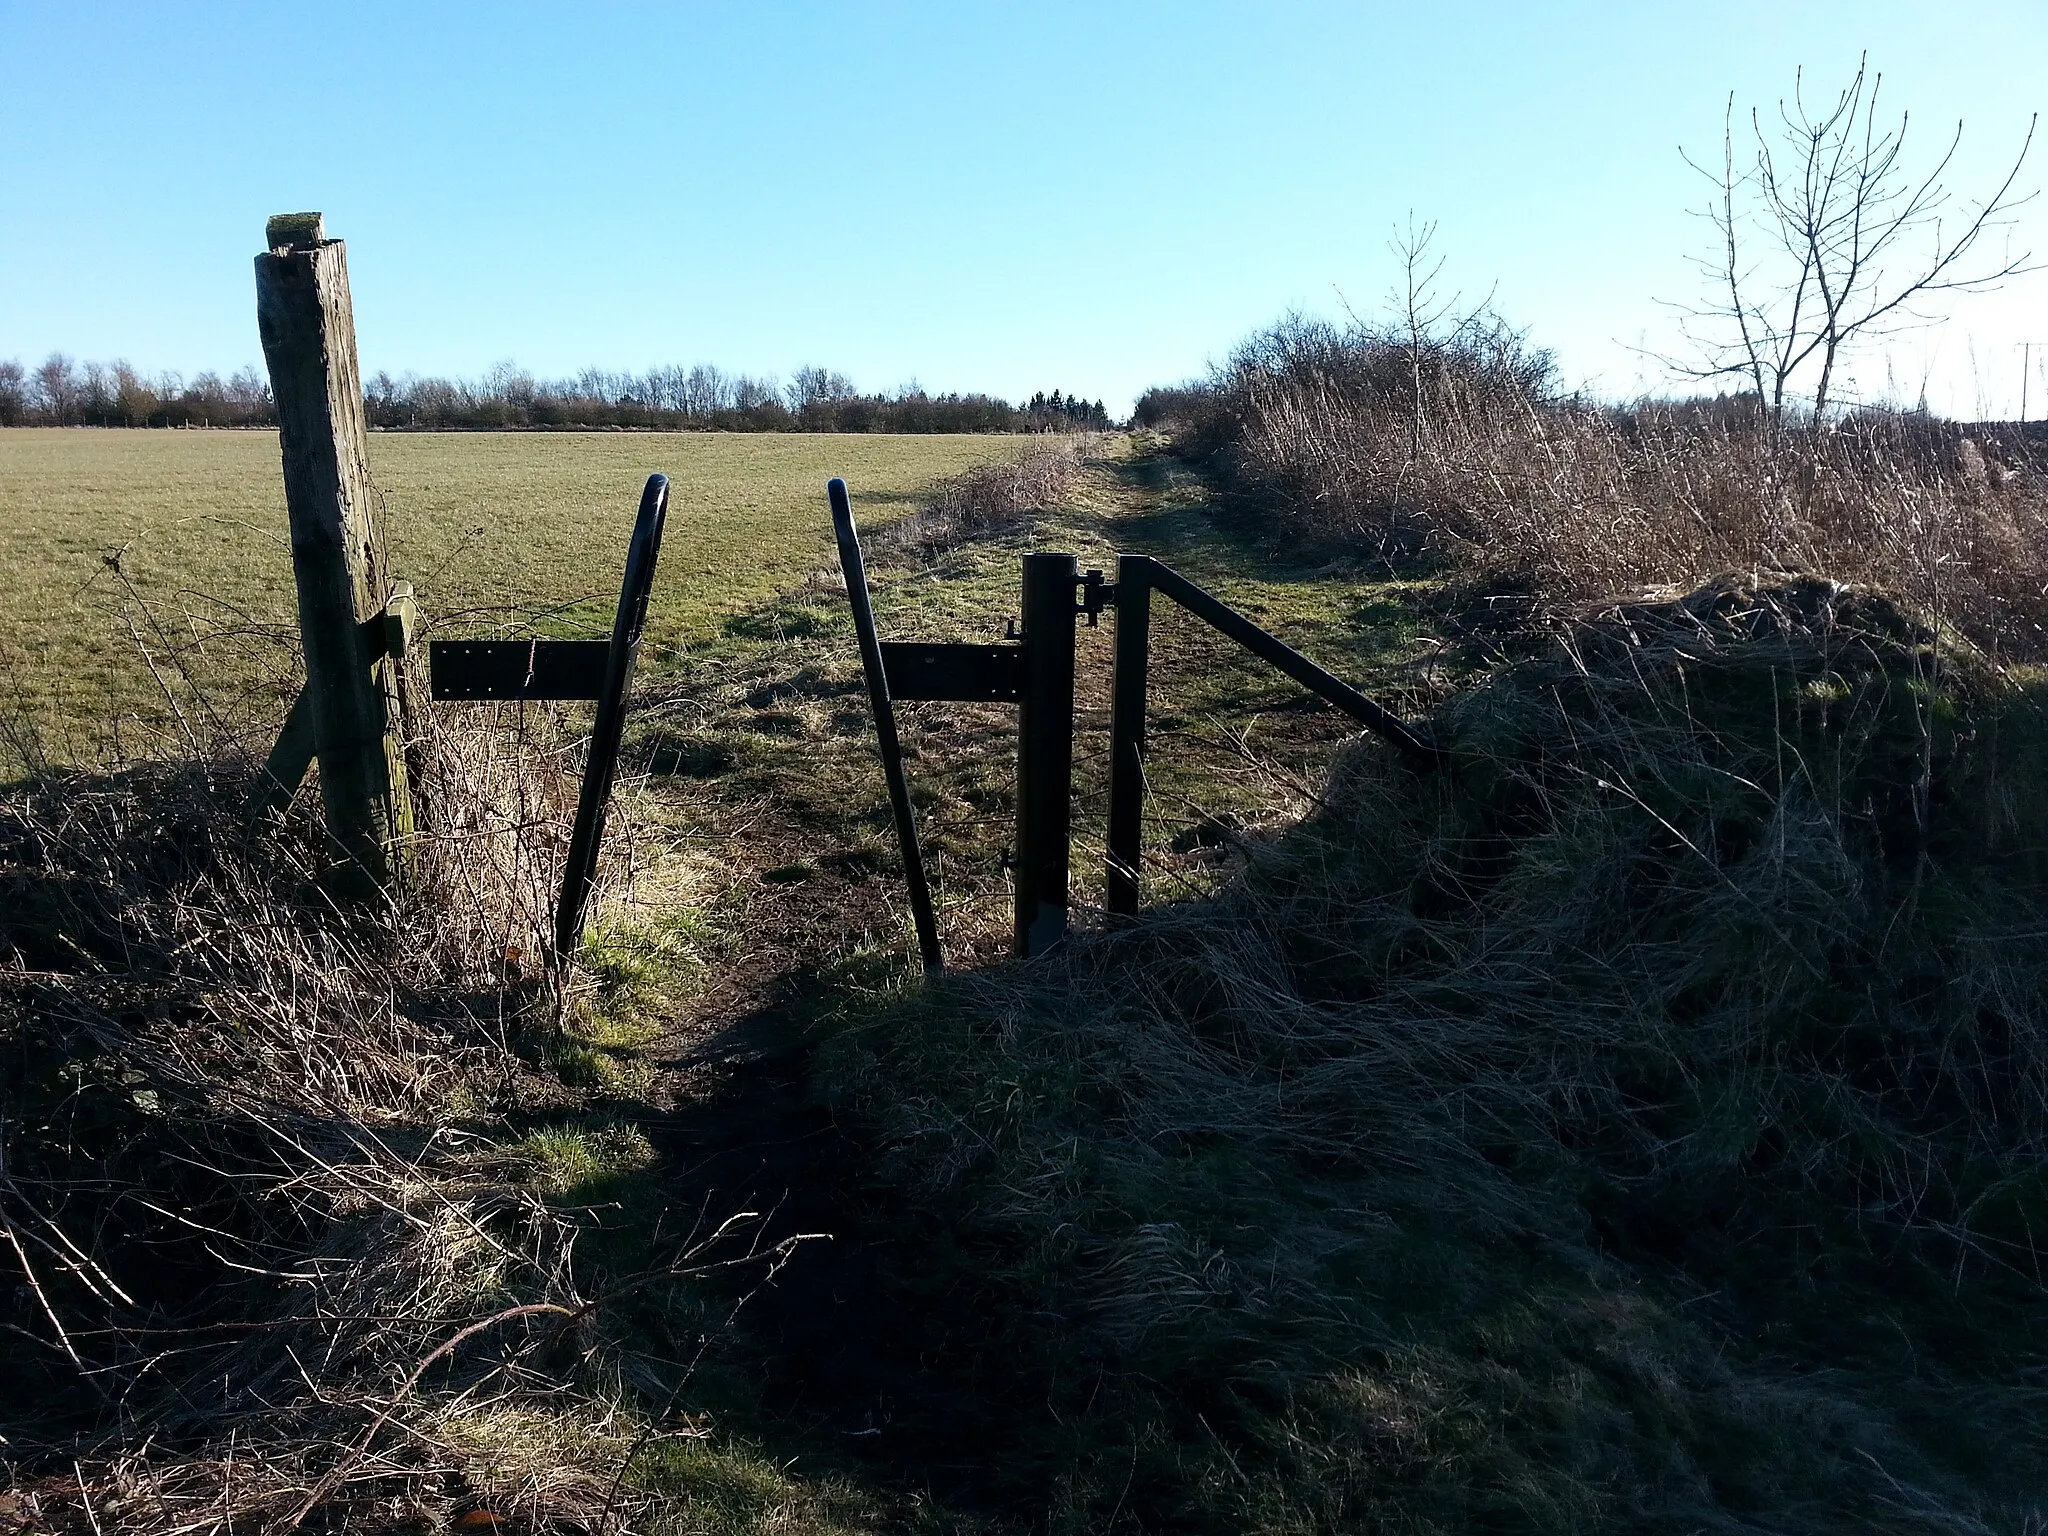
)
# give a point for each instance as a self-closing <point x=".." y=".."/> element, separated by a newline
<point x="1428" y="320"/>
<point x="1824" y="238"/>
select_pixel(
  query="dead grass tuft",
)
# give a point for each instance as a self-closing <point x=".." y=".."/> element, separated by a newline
<point x="988" y="501"/>
<point x="1458" y="450"/>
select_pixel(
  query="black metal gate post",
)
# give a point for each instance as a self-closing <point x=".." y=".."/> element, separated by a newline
<point x="1045" y="752"/>
<point x="872" y="667"/>
<point x="598" y="774"/>
<point x="1127" y="729"/>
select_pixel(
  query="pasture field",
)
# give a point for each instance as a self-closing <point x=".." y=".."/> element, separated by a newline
<point x="123" y="549"/>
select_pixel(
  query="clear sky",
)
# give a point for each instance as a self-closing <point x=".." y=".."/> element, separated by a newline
<point x="999" y="196"/>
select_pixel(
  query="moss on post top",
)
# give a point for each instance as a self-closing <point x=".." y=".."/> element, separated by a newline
<point x="282" y="231"/>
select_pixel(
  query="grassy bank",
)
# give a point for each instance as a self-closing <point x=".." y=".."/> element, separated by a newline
<point x="1636" y="1127"/>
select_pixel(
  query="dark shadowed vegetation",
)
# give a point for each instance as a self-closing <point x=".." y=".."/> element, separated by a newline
<point x="1639" y="1126"/>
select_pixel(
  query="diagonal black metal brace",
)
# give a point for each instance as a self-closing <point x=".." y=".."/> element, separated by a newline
<point x="1381" y="721"/>
<point x="1137" y="577"/>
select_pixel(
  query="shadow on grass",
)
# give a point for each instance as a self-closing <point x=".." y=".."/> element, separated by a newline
<point x="876" y="1355"/>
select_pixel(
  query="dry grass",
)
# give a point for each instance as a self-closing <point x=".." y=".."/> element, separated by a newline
<point x="1640" y="1127"/>
<point x="284" y="1255"/>
<point x="990" y="501"/>
<point x="1461" y="451"/>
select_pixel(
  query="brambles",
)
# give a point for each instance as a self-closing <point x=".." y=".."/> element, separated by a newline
<point x="301" y="1190"/>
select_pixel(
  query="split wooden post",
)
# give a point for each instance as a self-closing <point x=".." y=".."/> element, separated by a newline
<point x="355" y="696"/>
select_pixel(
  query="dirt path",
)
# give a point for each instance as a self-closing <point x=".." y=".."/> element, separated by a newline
<point x="870" y="1358"/>
<point x="863" y="1363"/>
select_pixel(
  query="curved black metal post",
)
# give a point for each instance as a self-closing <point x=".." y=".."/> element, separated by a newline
<point x="856" y="572"/>
<point x="581" y="873"/>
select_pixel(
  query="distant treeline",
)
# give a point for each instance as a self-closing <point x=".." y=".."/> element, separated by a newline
<point x="64" y="393"/>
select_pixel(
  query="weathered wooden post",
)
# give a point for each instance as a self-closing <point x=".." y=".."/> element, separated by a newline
<point x="355" y="690"/>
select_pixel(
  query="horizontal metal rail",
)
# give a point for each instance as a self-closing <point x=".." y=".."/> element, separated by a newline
<point x="518" y="669"/>
<point x="955" y="674"/>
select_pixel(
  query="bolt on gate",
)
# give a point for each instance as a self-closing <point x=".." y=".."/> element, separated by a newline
<point x="1035" y="671"/>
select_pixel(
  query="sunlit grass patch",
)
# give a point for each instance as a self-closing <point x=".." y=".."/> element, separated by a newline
<point x="520" y="532"/>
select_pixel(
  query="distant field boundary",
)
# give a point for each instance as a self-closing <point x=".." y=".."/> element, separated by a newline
<point x="569" y="428"/>
<point x="61" y="393"/>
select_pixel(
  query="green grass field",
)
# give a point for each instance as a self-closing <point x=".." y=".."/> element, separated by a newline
<point x="492" y="529"/>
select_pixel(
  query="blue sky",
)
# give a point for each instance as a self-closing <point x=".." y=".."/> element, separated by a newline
<point x="996" y="196"/>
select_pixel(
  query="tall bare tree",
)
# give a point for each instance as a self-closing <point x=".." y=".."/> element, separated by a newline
<point x="1825" y="236"/>
<point x="1421" y="313"/>
<point x="57" y="389"/>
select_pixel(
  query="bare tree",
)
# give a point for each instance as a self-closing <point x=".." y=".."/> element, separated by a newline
<point x="13" y="394"/>
<point x="1421" y="312"/>
<point x="816" y="386"/>
<point x="1824" y="237"/>
<point x="56" y="389"/>
<point x="706" y="390"/>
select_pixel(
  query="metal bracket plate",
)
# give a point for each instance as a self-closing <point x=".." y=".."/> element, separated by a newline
<point x="959" y="674"/>
<point x="517" y="669"/>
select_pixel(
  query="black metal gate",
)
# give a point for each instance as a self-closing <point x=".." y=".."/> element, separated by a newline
<point x="1036" y="672"/>
<point x="600" y="670"/>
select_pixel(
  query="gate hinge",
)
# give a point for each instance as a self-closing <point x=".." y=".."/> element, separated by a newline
<point x="1096" y="595"/>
